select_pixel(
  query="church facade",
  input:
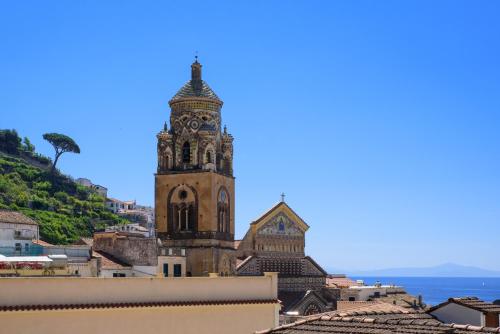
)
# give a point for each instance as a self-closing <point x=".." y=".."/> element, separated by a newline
<point x="275" y="243"/>
<point x="194" y="183"/>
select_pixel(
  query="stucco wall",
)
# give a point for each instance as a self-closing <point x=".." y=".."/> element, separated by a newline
<point x="236" y="314"/>
<point x="221" y="319"/>
<point x="458" y="314"/>
<point x="8" y="237"/>
<point x="56" y="290"/>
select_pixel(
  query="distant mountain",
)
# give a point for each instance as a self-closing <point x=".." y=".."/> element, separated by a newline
<point x="443" y="270"/>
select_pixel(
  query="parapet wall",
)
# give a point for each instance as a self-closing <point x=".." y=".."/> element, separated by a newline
<point x="94" y="290"/>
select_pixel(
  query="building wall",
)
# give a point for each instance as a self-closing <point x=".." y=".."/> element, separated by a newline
<point x="207" y="185"/>
<point x="458" y="314"/>
<point x="203" y="311"/>
<point x="26" y="233"/>
<point x="132" y="250"/>
<point x="206" y="252"/>
<point x="171" y="261"/>
<point x="220" y="319"/>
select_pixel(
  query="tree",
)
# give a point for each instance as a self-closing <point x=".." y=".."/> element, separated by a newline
<point x="28" y="147"/>
<point x="10" y="141"/>
<point x="62" y="144"/>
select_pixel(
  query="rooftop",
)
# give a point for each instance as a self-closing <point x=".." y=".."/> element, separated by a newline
<point x="340" y="282"/>
<point x="195" y="87"/>
<point x="350" y="307"/>
<point x="376" y="325"/>
<point x="14" y="217"/>
<point x="471" y="302"/>
<point x="109" y="261"/>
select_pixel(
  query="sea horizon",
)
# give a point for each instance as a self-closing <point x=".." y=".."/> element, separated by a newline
<point x="436" y="290"/>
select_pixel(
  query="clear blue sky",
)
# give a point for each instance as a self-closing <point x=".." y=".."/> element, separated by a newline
<point x="380" y="120"/>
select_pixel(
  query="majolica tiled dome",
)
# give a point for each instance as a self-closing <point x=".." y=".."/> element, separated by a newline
<point x="195" y="87"/>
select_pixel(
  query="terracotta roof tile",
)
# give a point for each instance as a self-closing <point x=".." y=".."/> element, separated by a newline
<point x="9" y="216"/>
<point x="110" y="262"/>
<point x="41" y="243"/>
<point x="340" y="282"/>
<point x="477" y="304"/>
<point x="373" y="325"/>
<point x="369" y="306"/>
<point x="130" y="305"/>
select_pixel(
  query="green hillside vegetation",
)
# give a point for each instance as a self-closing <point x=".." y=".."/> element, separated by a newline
<point x="64" y="209"/>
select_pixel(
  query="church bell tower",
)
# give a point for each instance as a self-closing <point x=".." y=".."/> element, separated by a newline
<point x="194" y="183"/>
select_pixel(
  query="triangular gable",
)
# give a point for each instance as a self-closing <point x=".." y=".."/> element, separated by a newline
<point x="283" y="208"/>
<point x="315" y="265"/>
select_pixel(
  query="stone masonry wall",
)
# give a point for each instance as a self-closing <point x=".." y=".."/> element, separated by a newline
<point x="129" y="249"/>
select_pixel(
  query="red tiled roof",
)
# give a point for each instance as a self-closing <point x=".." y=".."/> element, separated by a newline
<point x="377" y="323"/>
<point x="109" y="261"/>
<point x="41" y="242"/>
<point x="130" y="305"/>
<point x="340" y="282"/>
<point x="471" y="302"/>
<point x="368" y="306"/>
<point x="14" y="217"/>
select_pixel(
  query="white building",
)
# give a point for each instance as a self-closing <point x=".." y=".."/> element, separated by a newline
<point x="16" y="234"/>
<point x="101" y="190"/>
<point x="118" y="206"/>
<point x="361" y="292"/>
<point x="134" y="228"/>
<point x="467" y="311"/>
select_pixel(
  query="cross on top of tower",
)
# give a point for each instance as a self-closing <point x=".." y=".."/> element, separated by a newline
<point x="283" y="197"/>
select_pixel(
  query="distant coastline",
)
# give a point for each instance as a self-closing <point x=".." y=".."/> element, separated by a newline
<point x="436" y="290"/>
<point x="450" y="270"/>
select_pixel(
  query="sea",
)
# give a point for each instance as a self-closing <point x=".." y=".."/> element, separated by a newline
<point x="435" y="290"/>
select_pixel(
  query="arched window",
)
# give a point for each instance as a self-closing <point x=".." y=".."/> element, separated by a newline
<point x="182" y="208"/>
<point x="223" y="214"/>
<point x="186" y="153"/>
<point x="312" y="309"/>
<point x="209" y="157"/>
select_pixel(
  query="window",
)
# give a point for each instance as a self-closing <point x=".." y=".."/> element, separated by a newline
<point x="352" y="299"/>
<point x="119" y="275"/>
<point x="223" y="216"/>
<point x="186" y="152"/>
<point x="209" y="157"/>
<point x="177" y="270"/>
<point x="183" y="216"/>
<point x="17" y="234"/>
<point x="165" y="270"/>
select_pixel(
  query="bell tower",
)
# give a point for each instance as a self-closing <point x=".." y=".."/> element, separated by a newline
<point x="194" y="183"/>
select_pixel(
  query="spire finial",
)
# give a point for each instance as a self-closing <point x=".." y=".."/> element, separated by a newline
<point x="283" y="197"/>
<point x="165" y="127"/>
<point x="196" y="71"/>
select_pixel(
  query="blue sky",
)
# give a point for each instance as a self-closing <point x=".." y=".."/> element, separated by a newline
<point x="380" y="120"/>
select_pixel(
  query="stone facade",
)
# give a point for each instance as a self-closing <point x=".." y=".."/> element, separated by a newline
<point x="130" y="249"/>
<point x="275" y="243"/>
<point x="194" y="184"/>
